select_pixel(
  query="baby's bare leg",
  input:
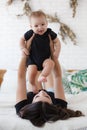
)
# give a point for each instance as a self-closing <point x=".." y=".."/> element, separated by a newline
<point x="54" y="80"/>
<point x="32" y="72"/>
<point x="48" y="65"/>
<point x="38" y="84"/>
<point x="50" y="82"/>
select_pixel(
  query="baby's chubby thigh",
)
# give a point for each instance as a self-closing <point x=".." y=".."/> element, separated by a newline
<point x="49" y="63"/>
<point x="32" y="72"/>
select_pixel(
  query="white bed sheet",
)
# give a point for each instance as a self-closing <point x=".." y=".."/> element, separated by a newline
<point x="10" y="121"/>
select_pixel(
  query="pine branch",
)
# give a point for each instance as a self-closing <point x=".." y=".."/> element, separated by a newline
<point x="73" y="5"/>
<point x="9" y="2"/>
<point x="26" y="9"/>
<point x="64" y="30"/>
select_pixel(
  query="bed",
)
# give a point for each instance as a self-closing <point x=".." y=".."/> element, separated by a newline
<point x="10" y="121"/>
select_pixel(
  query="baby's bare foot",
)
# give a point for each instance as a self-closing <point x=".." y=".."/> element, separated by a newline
<point x="42" y="79"/>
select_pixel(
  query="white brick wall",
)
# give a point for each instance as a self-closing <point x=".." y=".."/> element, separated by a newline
<point x="11" y="29"/>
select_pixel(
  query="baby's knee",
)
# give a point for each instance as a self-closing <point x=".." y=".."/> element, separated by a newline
<point x="52" y="63"/>
<point x="49" y="63"/>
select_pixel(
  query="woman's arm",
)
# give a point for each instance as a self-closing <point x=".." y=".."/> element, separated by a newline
<point x="57" y="74"/>
<point x="21" y="93"/>
<point x="58" y="86"/>
<point x="21" y="89"/>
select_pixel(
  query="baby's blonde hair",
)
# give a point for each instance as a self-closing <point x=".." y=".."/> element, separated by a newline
<point x="37" y="14"/>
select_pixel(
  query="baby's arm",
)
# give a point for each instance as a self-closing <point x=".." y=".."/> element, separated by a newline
<point x="57" y="47"/>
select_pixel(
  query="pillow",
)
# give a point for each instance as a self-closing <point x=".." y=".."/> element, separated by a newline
<point x="2" y="72"/>
<point x="65" y="82"/>
<point x="78" y="81"/>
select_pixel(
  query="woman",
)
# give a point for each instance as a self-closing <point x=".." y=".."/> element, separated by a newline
<point x="43" y="106"/>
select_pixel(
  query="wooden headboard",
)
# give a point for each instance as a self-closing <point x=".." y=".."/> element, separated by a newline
<point x="2" y="72"/>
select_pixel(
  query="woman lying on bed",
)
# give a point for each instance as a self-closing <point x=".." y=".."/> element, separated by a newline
<point x="47" y="104"/>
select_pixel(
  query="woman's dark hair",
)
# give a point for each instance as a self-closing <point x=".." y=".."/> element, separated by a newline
<point x="40" y="112"/>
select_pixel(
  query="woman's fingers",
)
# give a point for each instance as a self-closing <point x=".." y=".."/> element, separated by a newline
<point x="32" y="37"/>
<point x="25" y="51"/>
<point x="49" y="37"/>
<point x="29" y="41"/>
<point x="51" y="46"/>
<point x="51" y="43"/>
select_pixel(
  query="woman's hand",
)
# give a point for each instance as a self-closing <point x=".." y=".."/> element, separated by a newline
<point x="25" y="50"/>
<point x="29" y="42"/>
<point x="55" y="48"/>
<point x="51" y="47"/>
<point x="21" y="89"/>
<point x="55" y="54"/>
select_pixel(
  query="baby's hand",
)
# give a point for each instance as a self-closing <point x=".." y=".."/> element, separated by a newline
<point x="25" y="51"/>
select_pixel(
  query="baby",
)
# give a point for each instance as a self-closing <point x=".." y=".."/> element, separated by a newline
<point x="39" y="58"/>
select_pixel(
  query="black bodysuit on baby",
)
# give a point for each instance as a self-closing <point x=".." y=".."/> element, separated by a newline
<point x="40" y="47"/>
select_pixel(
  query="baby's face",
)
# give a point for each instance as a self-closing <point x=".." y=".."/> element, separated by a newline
<point x="39" y="25"/>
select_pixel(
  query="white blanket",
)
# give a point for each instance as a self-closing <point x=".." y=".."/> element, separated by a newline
<point x="10" y="121"/>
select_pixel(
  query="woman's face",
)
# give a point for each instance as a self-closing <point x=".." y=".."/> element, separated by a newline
<point x="42" y="96"/>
